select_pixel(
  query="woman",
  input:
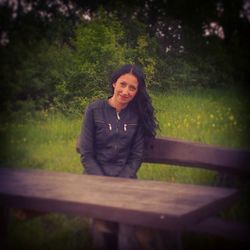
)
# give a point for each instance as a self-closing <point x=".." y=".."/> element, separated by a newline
<point x="114" y="133"/>
<point x="115" y="130"/>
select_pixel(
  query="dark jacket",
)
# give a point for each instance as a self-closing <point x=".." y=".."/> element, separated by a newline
<point x="111" y="143"/>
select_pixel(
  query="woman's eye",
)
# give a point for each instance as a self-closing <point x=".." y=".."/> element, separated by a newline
<point x="123" y="84"/>
<point x="132" y="88"/>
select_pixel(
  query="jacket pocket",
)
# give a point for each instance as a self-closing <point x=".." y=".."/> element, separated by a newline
<point x="129" y="127"/>
<point x="103" y="128"/>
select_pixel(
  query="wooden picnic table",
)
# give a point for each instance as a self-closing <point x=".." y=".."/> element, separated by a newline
<point x="153" y="204"/>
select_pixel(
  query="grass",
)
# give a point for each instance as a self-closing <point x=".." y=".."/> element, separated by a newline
<point x="208" y="116"/>
<point x="217" y="117"/>
<point x="52" y="231"/>
<point x="46" y="140"/>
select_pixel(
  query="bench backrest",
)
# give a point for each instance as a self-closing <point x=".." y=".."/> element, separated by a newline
<point x="184" y="153"/>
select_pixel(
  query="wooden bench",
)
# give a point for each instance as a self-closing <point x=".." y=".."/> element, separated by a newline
<point x="159" y="205"/>
<point x="168" y="208"/>
<point x="232" y="165"/>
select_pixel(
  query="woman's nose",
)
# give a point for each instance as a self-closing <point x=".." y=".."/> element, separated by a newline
<point x="125" y="91"/>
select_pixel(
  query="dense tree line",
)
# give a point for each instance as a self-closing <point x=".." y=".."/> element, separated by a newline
<point x="60" y="53"/>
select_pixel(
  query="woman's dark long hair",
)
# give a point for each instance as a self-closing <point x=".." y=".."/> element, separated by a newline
<point x="142" y="101"/>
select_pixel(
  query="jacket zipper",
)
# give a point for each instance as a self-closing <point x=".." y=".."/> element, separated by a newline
<point x="125" y="126"/>
<point x="117" y="128"/>
<point x="109" y="125"/>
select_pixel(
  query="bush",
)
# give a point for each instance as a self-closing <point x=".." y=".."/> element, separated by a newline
<point x="69" y="73"/>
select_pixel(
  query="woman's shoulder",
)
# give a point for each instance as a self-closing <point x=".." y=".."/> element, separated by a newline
<point x="96" y="104"/>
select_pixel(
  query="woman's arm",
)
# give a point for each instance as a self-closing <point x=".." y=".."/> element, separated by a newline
<point x="135" y="156"/>
<point x="87" y="149"/>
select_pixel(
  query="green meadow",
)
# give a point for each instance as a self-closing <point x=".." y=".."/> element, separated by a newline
<point x="47" y="139"/>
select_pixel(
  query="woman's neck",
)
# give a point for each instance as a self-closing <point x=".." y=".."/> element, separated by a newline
<point x="118" y="106"/>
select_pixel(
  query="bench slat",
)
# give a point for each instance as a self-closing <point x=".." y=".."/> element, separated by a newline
<point x="183" y="153"/>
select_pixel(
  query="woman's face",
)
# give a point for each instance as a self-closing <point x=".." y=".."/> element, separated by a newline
<point x="125" y="88"/>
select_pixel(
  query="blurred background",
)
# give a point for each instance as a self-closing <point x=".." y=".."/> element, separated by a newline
<point x="57" y="56"/>
<point x="60" y="53"/>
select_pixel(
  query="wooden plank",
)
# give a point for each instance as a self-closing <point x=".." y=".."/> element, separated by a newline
<point x="184" y="153"/>
<point x="146" y="203"/>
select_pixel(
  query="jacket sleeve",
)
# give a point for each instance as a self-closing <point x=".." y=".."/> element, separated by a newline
<point x="135" y="156"/>
<point x="87" y="150"/>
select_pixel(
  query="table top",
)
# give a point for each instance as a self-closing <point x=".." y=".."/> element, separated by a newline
<point x="147" y="203"/>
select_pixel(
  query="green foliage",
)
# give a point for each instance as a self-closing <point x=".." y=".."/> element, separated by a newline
<point x="143" y="56"/>
<point x="211" y="68"/>
<point x="68" y="75"/>
<point x="71" y="69"/>
<point x="32" y="64"/>
<point x="96" y="53"/>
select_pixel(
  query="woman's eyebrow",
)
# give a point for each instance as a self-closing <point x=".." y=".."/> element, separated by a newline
<point x="123" y="81"/>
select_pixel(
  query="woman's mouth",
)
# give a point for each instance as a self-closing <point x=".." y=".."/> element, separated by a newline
<point x="123" y="98"/>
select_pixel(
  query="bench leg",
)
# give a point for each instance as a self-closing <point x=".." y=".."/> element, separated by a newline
<point x="98" y="239"/>
<point x="151" y="239"/>
<point x="170" y="239"/>
<point x="127" y="239"/>
<point x="107" y="235"/>
<point x="104" y="234"/>
<point x="4" y="221"/>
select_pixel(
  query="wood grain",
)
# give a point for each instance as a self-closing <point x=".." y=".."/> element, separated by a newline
<point x="137" y="202"/>
<point x="184" y="153"/>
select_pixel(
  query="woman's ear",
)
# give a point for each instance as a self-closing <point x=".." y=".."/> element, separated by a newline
<point x="114" y="84"/>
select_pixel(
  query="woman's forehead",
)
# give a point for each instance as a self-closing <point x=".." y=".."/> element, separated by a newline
<point x="129" y="78"/>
